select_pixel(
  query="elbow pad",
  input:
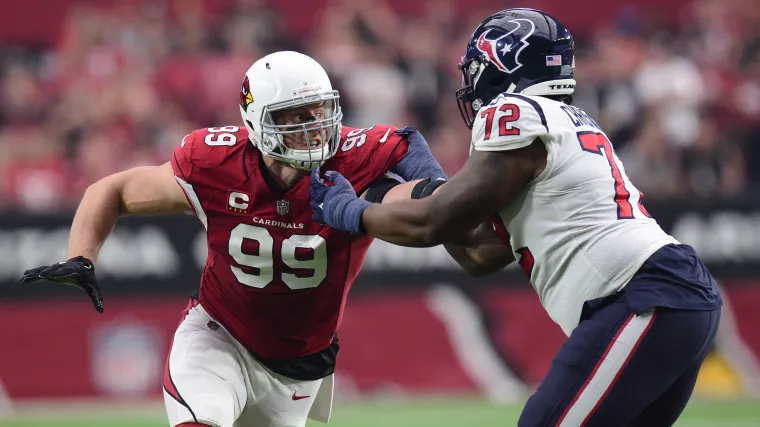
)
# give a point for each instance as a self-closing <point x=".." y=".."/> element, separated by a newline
<point x="426" y="187"/>
<point x="378" y="189"/>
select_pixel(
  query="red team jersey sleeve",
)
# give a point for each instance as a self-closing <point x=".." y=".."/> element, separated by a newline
<point x="206" y="149"/>
<point x="204" y="162"/>
<point x="389" y="149"/>
<point x="181" y="163"/>
<point x="367" y="154"/>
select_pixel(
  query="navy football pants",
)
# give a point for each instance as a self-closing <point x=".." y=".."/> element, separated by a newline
<point x="617" y="369"/>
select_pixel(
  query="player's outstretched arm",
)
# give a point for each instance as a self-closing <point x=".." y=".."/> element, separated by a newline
<point x="146" y="190"/>
<point x="489" y="181"/>
<point x="143" y="190"/>
<point x="480" y="253"/>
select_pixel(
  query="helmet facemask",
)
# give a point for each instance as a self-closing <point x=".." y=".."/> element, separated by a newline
<point x="272" y="137"/>
<point x="481" y="83"/>
<point x="466" y="101"/>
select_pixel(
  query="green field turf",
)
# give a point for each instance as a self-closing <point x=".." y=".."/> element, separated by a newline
<point x="441" y="413"/>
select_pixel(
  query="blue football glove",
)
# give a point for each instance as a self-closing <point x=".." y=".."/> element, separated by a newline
<point x="338" y="205"/>
<point x="418" y="163"/>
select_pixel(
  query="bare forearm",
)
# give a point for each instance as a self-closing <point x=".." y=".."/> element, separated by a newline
<point x="474" y="261"/>
<point x="487" y="183"/>
<point x="398" y="224"/>
<point x="464" y="256"/>
<point x="482" y="252"/>
<point x="404" y="222"/>
<point x="94" y="220"/>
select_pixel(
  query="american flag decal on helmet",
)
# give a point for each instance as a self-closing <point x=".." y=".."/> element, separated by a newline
<point x="552" y="60"/>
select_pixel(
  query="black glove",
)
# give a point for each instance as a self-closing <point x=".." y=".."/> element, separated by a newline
<point x="77" y="271"/>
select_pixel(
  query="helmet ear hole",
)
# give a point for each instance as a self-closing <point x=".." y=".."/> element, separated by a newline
<point x="497" y="80"/>
<point x="491" y="83"/>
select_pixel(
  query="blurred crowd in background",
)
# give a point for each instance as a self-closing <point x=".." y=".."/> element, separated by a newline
<point x="121" y="86"/>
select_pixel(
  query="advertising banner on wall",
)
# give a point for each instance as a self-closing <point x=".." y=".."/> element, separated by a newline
<point x="432" y="340"/>
<point x="413" y="314"/>
<point x="166" y="254"/>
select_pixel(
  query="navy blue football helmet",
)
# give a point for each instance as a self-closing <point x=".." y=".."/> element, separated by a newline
<point x="515" y="51"/>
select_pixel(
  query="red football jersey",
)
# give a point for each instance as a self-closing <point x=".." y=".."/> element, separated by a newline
<point x="273" y="277"/>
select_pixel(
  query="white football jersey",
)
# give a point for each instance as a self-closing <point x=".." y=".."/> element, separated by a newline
<point x="578" y="230"/>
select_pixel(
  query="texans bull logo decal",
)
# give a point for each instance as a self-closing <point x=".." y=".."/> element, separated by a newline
<point x="246" y="98"/>
<point x="498" y="48"/>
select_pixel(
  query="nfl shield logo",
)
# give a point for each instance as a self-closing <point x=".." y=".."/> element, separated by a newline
<point x="283" y="206"/>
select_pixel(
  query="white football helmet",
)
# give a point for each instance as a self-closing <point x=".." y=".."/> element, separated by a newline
<point x="284" y="80"/>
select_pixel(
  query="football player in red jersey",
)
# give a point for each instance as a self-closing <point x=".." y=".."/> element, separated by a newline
<point x="258" y="345"/>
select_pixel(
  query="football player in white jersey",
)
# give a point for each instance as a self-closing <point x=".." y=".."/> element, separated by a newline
<point x="639" y="308"/>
